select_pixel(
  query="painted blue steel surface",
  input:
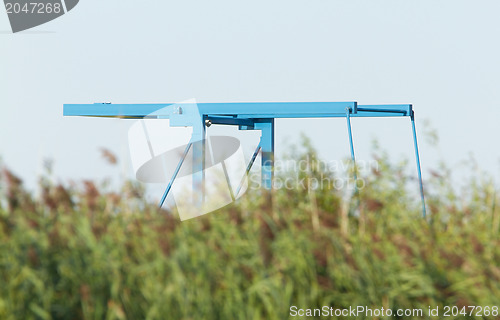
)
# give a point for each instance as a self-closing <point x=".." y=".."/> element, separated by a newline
<point x="227" y="120"/>
<point x="417" y="156"/>
<point x="390" y="110"/>
<point x="240" y="109"/>
<point x="248" y="116"/>
<point x="349" y="131"/>
<point x="246" y="110"/>
<point x="267" y="147"/>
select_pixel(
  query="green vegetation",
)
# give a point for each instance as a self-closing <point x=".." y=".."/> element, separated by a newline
<point x="83" y="252"/>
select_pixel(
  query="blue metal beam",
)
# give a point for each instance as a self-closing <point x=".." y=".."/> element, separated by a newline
<point x="241" y="110"/>
<point x="230" y="121"/>
<point x="246" y="110"/>
<point x="389" y="110"/>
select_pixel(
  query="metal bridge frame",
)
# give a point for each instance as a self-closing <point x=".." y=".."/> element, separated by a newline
<point x="247" y="116"/>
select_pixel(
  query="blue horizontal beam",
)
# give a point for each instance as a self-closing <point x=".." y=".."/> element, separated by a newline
<point x="277" y="109"/>
<point x="240" y="109"/>
<point x="230" y="121"/>
<point x="114" y="110"/>
<point x="389" y="110"/>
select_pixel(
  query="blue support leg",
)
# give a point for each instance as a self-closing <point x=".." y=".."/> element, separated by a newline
<point x="424" y="211"/>
<point x="267" y="146"/>
<point x="351" y="144"/>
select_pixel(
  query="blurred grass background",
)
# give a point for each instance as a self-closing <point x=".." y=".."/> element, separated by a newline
<point x="82" y="251"/>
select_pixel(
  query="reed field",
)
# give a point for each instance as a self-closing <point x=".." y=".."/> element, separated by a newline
<point x="84" y="251"/>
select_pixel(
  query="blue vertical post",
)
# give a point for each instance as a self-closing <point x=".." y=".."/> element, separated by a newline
<point x="412" y="117"/>
<point x="267" y="146"/>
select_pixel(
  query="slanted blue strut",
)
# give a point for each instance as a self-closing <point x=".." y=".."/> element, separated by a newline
<point x="353" y="157"/>
<point x="421" y="184"/>
<point x="351" y="144"/>
<point x="247" y="171"/>
<point x="176" y="172"/>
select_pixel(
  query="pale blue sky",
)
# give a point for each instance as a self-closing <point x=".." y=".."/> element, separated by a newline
<point x="441" y="56"/>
